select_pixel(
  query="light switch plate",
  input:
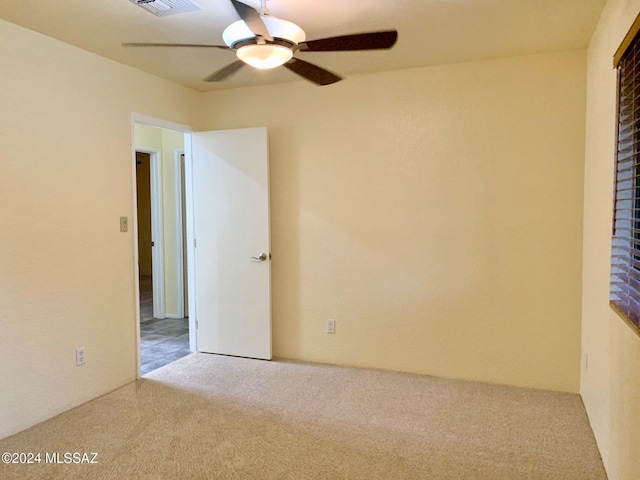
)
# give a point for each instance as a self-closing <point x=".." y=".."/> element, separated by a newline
<point x="331" y="326"/>
<point x="124" y="224"/>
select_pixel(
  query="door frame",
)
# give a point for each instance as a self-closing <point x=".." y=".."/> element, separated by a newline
<point x="157" y="229"/>
<point x="142" y="119"/>
<point x="191" y="243"/>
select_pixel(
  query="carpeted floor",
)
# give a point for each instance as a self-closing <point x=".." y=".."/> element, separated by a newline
<point x="216" y="417"/>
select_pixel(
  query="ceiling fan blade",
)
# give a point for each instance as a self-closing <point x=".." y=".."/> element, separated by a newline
<point x="225" y="72"/>
<point x="252" y="18"/>
<point x="312" y="72"/>
<point x="197" y="45"/>
<point x="358" y="41"/>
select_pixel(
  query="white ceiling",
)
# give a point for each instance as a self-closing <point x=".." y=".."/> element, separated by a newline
<point x="430" y="32"/>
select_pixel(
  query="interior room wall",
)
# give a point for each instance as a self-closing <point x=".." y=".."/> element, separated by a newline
<point x="67" y="273"/>
<point x="146" y="136"/>
<point x="172" y="141"/>
<point x="611" y="376"/>
<point x="434" y="213"/>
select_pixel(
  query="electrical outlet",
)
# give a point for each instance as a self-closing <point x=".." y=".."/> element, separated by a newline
<point x="124" y="224"/>
<point x="81" y="359"/>
<point x="331" y="326"/>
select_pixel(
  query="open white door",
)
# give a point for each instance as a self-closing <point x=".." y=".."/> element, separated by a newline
<point x="230" y="218"/>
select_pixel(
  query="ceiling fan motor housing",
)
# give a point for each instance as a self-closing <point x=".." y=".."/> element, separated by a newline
<point x="239" y="33"/>
<point x="260" y="52"/>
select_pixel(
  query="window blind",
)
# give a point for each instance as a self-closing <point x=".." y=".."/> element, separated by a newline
<point x="625" y="254"/>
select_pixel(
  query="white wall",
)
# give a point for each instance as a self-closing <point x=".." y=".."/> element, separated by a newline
<point x="172" y="141"/>
<point x="67" y="273"/>
<point x="611" y="385"/>
<point x="434" y="213"/>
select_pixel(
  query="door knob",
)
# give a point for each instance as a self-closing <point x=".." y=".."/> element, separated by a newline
<point x="262" y="257"/>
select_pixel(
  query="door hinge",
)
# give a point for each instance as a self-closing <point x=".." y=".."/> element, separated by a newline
<point x="195" y="244"/>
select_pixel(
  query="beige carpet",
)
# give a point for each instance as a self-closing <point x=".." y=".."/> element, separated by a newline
<point x="215" y="417"/>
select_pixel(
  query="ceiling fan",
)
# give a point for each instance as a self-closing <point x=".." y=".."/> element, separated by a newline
<point x="265" y="42"/>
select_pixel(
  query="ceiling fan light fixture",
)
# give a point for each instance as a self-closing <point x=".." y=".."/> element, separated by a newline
<point x="264" y="56"/>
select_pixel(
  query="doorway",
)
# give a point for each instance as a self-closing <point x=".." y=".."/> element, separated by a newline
<point x="145" y="244"/>
<point x="164" y="323"/>
<point x="242" y="154"/>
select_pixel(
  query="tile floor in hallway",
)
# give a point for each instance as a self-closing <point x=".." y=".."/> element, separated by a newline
<point x="162" y="341"/>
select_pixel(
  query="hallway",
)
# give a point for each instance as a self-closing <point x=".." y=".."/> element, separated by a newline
<point x="162" y="340"/>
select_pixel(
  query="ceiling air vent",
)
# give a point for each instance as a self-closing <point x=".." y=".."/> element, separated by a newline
<point x="162" y="8"/>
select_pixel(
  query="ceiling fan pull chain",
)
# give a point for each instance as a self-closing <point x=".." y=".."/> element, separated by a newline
<point x="263" y="8"/>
